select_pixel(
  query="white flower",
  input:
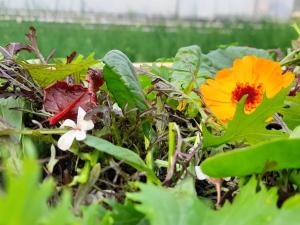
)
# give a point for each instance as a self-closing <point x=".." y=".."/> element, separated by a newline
<point x="202" y="176"/>
<point x="78" y="130"/>
<point x="199" y="174"/>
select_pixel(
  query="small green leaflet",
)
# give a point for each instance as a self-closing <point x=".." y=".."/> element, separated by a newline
<point x="267" y="156"/>
<point x="45" y="75"/>
<point x="249" y="127"/>
<point x="181" y="206"/>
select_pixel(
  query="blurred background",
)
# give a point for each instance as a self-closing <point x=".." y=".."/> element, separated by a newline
<point x="148" y="29"/>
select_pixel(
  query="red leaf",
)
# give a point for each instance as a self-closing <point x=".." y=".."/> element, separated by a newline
<point x="95" y="80"/>
<point x="63" y="99"/>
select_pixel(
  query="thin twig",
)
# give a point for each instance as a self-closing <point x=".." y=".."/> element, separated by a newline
<point x="279" y="120"/>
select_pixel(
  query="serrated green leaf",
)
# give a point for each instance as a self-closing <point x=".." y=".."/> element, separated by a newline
<point x="181" y="206"/>
<point x="164" y="206"/>
<point x="122" y="81"/>
<point x="24" y="199"/>
<point x="260" y="158"/>
<point x="45" y="75"/>
<point x="291" y="111"/>
<point x="128" y="156"/>
<point x="20" y="192"/>
<point x="186" y="66"/>
<point x="249" y="127"/>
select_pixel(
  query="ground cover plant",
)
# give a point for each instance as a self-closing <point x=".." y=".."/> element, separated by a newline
<point x="131" y="39"/>
<point x="197" y="139"/>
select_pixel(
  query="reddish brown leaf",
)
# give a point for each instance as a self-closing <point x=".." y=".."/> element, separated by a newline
<point x="63" y="99"/>
<point x="95" y="79"/>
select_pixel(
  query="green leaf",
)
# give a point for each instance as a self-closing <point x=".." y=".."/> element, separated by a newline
<point x="291" y="111"/>
<point x="60" y="215"/>
<point x="223" y="58"/>
<point x="186" y="66"/>
<point x="45" y="75"/>
<point x="257" y="208"/>
<point x="25" y="190"/>
<point x="25" y="200"/>
<point x="122" y="81"/>
<point x="250" y="127"/>
<point x="126" y="214"/>
<point x="164" y="206"/>
<point x="128" y="156"/>
<point x="181" y="206"/>
<point x="266" y="156"/>
<point x="10" y="118"/>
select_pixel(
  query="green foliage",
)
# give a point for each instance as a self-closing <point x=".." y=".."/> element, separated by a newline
<point x="161" y="41"/>
<point x="186" y="66"/>
<point x="223" y="58"/>
<point x="122" y="81"/>
<point x="249" y="127"/>
<point x="181" y="206"/>
<point x="126" y="214"/>
<point x="45" y="75"/>
<point x="291" y="111"/>
<point x="164" y="206"/>
<point x="260" y="158"/>
<point x="25" y="200"/>
<point x="10" y="118"/>
<point x="91" y="215"/>
<point x="23" y="191"/>
<point x="128" y="156"/>
<point x="175" y="108"/>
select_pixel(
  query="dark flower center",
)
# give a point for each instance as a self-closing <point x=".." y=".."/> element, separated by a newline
<point x="254" y="95"/>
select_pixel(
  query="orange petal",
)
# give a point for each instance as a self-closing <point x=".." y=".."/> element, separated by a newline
<point x="288" y="78"/>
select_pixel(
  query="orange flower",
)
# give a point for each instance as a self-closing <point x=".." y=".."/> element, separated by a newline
<point x="250" y="76"/>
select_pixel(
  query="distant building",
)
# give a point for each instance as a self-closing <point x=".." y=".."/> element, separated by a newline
<point x="114" y="10"/>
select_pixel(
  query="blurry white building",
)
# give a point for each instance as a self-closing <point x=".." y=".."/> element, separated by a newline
<point x="95" y="10"/>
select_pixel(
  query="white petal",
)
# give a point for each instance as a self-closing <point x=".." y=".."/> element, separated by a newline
<point x="66" y="140"/>
<point x="80" y="135"/>
<point x="68" y="123"/>
<point x="199" y="174"/>
<point x="85" y="125"/>
<point x="80" y="115"/>
<point x="227" y="178"/>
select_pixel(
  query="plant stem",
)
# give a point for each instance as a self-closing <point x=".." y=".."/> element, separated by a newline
<point x="32" y="132"/>
<point x="171" y="143"/>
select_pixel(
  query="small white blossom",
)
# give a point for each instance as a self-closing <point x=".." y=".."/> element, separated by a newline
<point x="202" y="176"/>
<point x="199" y="174"/>
<point x="77" y="132"/>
